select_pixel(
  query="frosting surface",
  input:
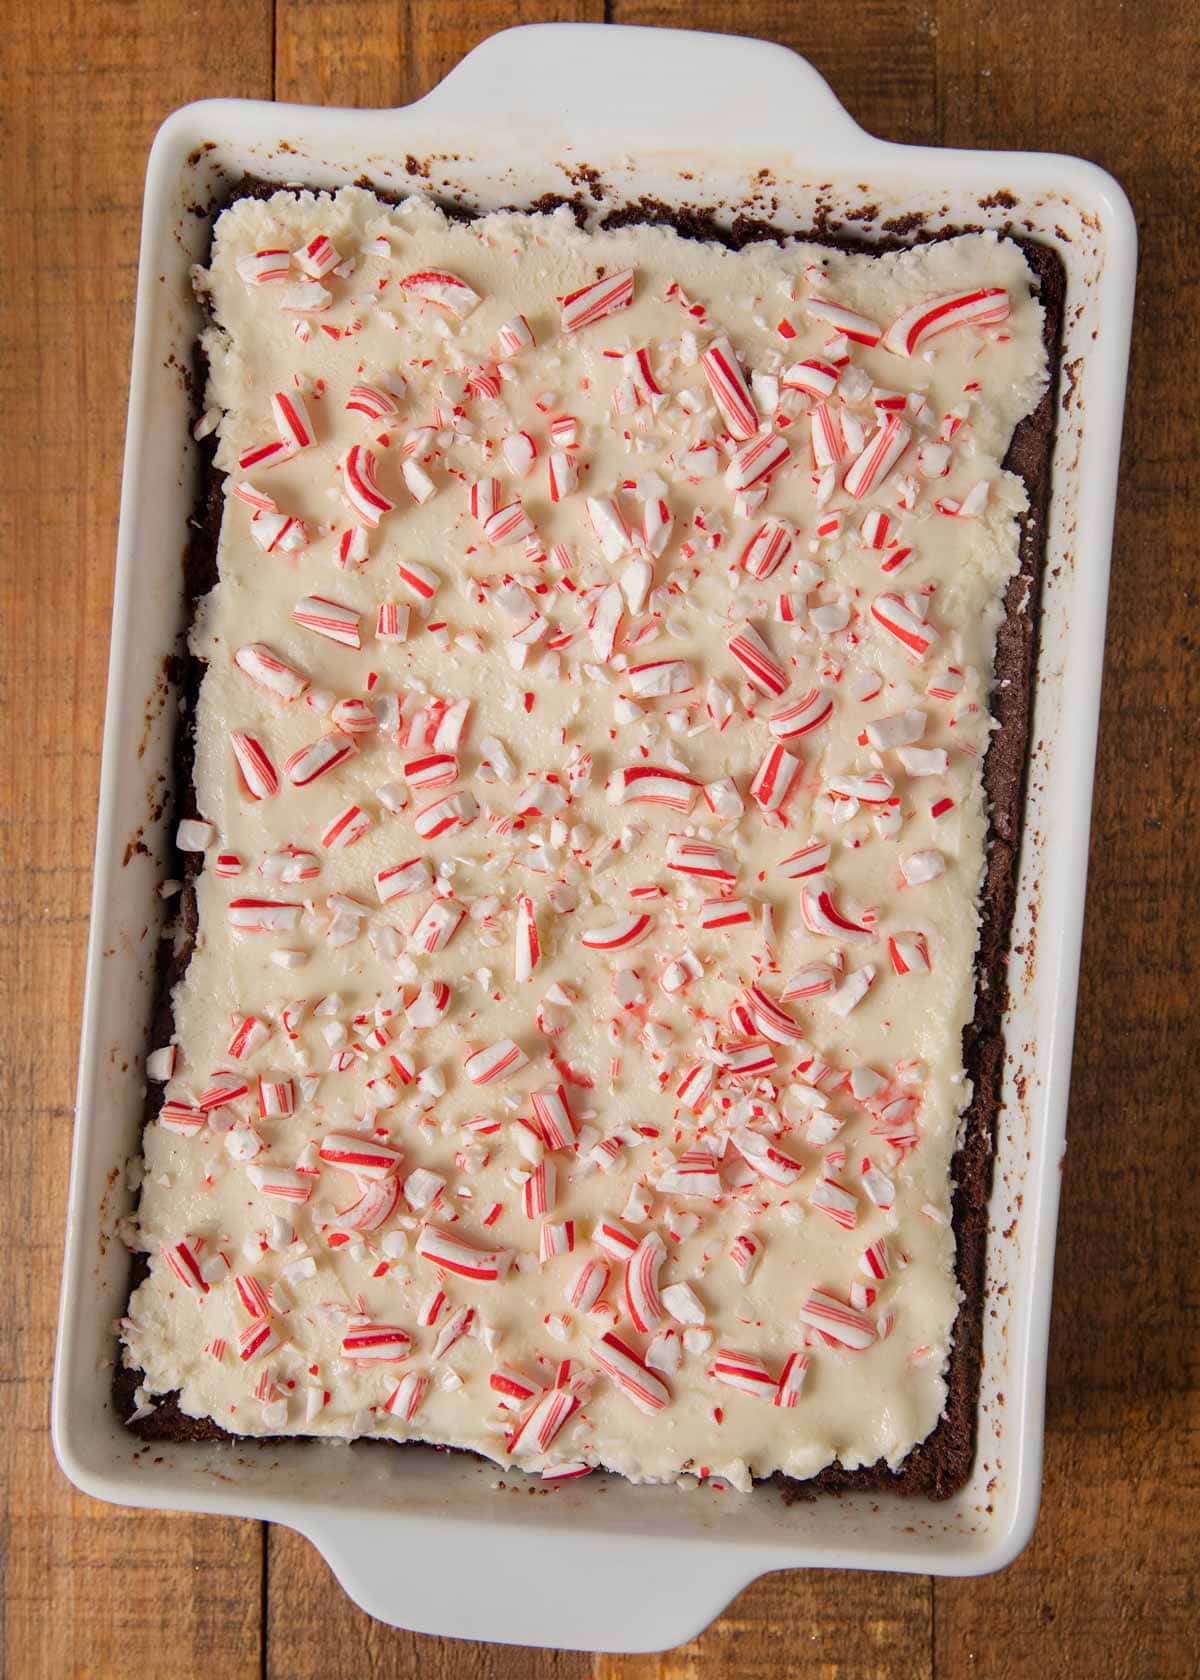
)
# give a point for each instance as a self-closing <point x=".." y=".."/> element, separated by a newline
<point x="589" y="758"/>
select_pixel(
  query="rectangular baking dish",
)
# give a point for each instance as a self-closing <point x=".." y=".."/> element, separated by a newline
<point x="598" y="1564"/>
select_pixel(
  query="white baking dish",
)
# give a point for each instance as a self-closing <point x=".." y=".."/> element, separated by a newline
<point x="430" y="1541"/>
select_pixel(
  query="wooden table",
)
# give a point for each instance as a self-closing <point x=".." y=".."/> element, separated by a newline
<point x="1108" y="1586"/>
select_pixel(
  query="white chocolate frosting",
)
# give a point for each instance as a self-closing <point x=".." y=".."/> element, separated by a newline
<point x="832" y="1155"/>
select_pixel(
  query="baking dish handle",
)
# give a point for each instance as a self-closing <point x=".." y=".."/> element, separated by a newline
<point x="573" y="1591"/>
<point x="756" y="92"/>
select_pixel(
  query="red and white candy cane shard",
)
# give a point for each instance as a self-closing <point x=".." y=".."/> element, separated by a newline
<point x="262" y="666"/>
<point x="829" y="444"/>
<point x="718" y="913"/>
<point x="514" y="336"/>
<point x="882" y="452"/>
<point x="553" y="1117"/>
<point x="753" y="1056"/>
<point x="285" y="1184"/>
<point x="848" y="322"/>
<point x="745" y="1371"/>
<point x="693" y="1174"/>
<point x="833" y="1199"/>
<point x="378" y="1202"/>
<point x="422" y="580"/>
<point x="446" y="815"/>
<point x="527" y="946"/>
<point x="875" y="1261"/>
<point x="372" y="401"/>
<point x="452" y="1332"/>
<point x="364" y="1156"/>
<point x="554" y="1240"/>
<point x="258" y="775"/>
<point x="512" y="1384"/>
<point x="375" y="1344"/>
<point x="405" y="1399"/>
<point x="535" y="1432"/>
<point x="185" y="1119"/>
<point x="813" y="980"/>
<point x="836" y="1320"/>
<point x="276" y="1097"/>
<point x="592" y="303"/>
<point x="495" y="1062"/>
<point x="619" y="934"/>
<point x="773" y="1164"/>
<point x="429" y="1005"/>
<point x="758" y="662"/>
<point x="448" y="291"/>
<point x="259" y="1339"/>
<point x="701" y="858"/>
<point x="329" y="619"/>
<point x="772" y="1021"/>
<point x="661" y="676"/>
<point x="755" y="461"/>
<point x="641" y="1283"/>
<point x="401" y="880"/>
<point x="183" y="1258"/>
<point x="562" y="473"/>
<point x="618" y="1361"/>
<point x="899" y="620"/>
<point x="611" y="1236"/>
<point x="318" y="257"/>
<point x="508" y="524"/>
<point x="391" y="621"/>
<point x="271" y="454"/>
<point x="802" y="716"/>
<point x="587" y="1286"/>
<point x="820" y="914"/>
<point x="768" y="548"/>
<point x="539" y="1190"/>
<point x="746" y="1252"/>
<point x="264" y="266"/>
<point x="985" y="307"/>
<point x="263" y="915"/>
<point x="452" y="1254"/>
<point x="650" y="784"/>
<point x="437" y="926"/>
<point x="815" y="379"/>
<point x="319" y="757"/>
<point x="876" y="528"/>
<point x="252" y="1294"/>
<point x="812" y="859"/>
<point x="775" y="778"/>
<point x="483" y="498"/>
<point x="909" y="953"/>
<point x="291" y="419"/>
<point x="791" y="1380"/>
<point x="360" y="486"/>
<point x="430" y="770"/>
<point x="729" y="389"/>
<point x="347" y="827"/>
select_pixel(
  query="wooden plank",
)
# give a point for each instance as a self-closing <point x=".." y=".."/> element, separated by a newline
<point x="381" y="52"/>
<point x="880" y="59"/>
<point x="834" y="1624"/>
<point x="1107" y="1590"/>
<point x="87" y="1589"/>
<point x="1107" y="1586"/>
<point x="390" y="52"/>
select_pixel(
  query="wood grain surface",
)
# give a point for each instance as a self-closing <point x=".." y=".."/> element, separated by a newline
<point x="1108" y="1587"/>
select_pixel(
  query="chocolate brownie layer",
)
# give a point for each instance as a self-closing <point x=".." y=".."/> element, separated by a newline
<point x="942" y="1462"/>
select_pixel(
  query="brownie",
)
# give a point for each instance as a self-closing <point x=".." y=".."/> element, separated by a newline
<point x="940" y="1465"/>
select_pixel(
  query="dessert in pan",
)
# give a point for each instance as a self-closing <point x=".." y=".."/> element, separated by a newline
<point x="602" y="775"/>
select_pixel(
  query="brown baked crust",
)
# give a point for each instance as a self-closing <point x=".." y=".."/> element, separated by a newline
<point x="940" y="1465"/>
